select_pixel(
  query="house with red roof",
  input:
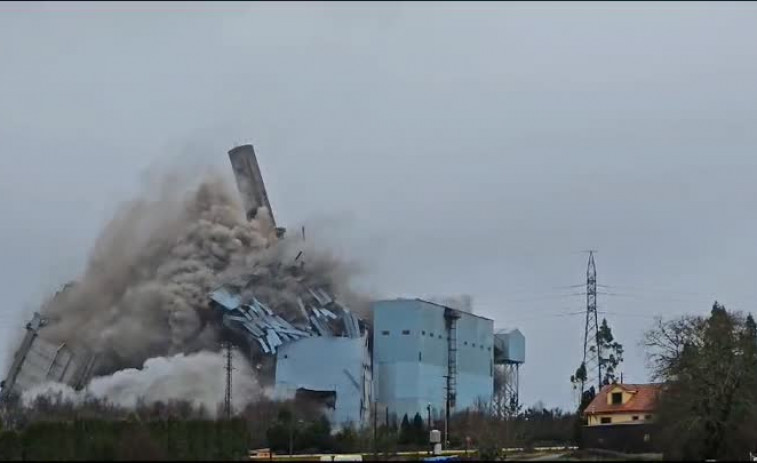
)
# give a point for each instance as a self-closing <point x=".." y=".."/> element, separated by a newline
<point x="621" y="417"/>
<point x="623" y="403"/>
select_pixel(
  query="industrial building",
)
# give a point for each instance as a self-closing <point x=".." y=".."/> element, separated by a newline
<point x="429" y="358"/>
<point x="424" y="352"/>
<point x="412" y="356"/>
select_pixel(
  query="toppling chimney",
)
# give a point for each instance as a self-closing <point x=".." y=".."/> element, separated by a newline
<point x="250" y="183"/>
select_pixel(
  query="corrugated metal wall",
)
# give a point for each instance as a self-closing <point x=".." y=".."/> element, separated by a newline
<point x="410" y="357"/>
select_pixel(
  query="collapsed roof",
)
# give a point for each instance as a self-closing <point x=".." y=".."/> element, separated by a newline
<point x="321" y="315"/>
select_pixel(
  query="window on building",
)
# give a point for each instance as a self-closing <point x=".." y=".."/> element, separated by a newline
<point x="466" y="343"/>
<point x="385" y="333"/>
<point x="431" y="334"/>
<point x="647" y="417"/>
<point x="489" y="348"/>
<point x="473" y="345"/>
<point x="423" y="333"/>
<point x="405" y="331"/>
<point x="635" y="418"/>
<point x="605" y="420"/>
<point x="440" y="336"/>
<point x="617" y="398"/>
<point x="420" y="357"/>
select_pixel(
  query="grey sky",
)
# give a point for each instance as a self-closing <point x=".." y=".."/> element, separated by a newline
<point x="451" y="148"/>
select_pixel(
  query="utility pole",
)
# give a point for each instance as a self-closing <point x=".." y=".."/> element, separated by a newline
<point x="229" y="368"/>
<point x="375" y="419"/>
<point x="592" y="355"/>
<point x="428" y="409"/>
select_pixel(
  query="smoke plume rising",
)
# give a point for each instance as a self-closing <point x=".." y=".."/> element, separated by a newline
<point x="144" y="291"/>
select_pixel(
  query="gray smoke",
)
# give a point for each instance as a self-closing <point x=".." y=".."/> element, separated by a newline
<point x="144" y="291"/>
<point x="197" y="378"/>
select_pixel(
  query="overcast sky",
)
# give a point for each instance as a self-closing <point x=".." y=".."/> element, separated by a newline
<point x="450" y="148"/>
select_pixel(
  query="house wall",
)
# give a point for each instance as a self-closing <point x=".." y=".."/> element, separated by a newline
<point x="627" y="438"/>
<point x="617" y="418"/>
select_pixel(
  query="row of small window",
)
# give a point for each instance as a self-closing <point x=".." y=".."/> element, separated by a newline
<point x="423" y="333"/>
<point x="608" y="419"/>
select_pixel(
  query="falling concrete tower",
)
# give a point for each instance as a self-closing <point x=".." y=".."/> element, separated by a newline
<point x="250" y="183"/>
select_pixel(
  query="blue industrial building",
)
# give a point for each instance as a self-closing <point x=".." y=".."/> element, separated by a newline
<point x="335" y="369"/>
<point x="423" y="352"/>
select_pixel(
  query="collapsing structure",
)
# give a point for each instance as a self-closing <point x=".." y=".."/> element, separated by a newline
<point x="37" y="361"/>
<point x="288" y="354"/>
<point x="412" y="357"/>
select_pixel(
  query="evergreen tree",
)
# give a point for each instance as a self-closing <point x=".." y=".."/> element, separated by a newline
<point x="406" y="434"/>
<point x="611" y="353"/>
<point x="419" y="434"/>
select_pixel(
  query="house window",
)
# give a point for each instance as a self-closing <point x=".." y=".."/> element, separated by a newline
<point x="440" y="336"/>
<point x="605" y="420"/>
<point x="423" y="333"/>
<point x="635" y="418"/>
<point x="617" y="398"/>
<point x="647" y="417"/>
<point x="385" y="333"/>
<point x="420" y="357"/>
<point x="405" y="331"/>
<point x="466" y="343"/>
<point x="431" y="334"/>
<point x="473" y="345"/>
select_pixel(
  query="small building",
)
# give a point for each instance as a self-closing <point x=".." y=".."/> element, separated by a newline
<point x="623" y="403"/>
<point x="621" y="418"/>
<point x="422" y="350"/>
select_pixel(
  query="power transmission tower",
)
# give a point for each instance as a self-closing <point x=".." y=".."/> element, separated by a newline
<point x="229" y="368"/>
<point x="592" y="355"/>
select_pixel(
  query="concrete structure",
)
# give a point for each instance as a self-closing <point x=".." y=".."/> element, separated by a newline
<point x="250" y="182"/>
<point x="412" y="356"/>
<point x="338" y="368"/>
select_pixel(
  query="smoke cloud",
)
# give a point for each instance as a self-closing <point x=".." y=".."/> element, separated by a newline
<point x="197" y="378"/>
<point x="144" y="292"/>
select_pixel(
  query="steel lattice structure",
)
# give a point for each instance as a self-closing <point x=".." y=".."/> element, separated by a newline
<point x="591" y="358"/>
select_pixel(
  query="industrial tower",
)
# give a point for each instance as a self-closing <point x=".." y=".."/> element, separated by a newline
<point x="591" y="359"/>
